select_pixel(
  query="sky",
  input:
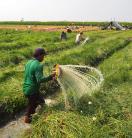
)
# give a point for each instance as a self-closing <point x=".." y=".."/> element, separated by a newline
<point x="66" y="10"/>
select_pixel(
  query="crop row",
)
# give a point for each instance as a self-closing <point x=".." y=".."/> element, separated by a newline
<point x="91" y="51"/>
<point x="12" y="85"/>
<point x="21" y="44"/>
<point x="109" y="115"/>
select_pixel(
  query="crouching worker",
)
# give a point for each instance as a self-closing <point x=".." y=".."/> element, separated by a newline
<point x="33" y="77"/>
<point x="79" y="38"/>
<point x="63" y="36"/>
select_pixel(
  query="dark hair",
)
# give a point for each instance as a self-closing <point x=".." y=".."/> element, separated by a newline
<point x="38" y="52"/>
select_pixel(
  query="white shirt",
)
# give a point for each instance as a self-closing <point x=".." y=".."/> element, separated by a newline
<point x="78" y="38"/>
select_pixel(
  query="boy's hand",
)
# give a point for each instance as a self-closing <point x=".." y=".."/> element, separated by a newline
<point x="53" y="74"/>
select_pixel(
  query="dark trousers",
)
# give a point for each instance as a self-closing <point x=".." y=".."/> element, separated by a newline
<point x="33" y="101"/>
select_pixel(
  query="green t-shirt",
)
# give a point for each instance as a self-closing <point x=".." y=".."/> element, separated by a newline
<point x="33" y="76"/>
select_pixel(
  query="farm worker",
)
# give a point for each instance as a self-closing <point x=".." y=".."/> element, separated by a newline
<point x="69" y="30"/>
<point x="63" y="36"/>
<point x="79" y="38"/>
<point x="33" y="77"/>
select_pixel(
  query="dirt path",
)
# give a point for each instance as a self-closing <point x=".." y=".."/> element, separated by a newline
<point x="47" y="28"/>
<point x="15" y="128"/>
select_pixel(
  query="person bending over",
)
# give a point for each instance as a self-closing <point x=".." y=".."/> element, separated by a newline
<point x="33" y="77"/>
<point x="79" y="38"/>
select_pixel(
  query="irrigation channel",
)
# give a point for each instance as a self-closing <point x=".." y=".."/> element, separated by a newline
<point x="75" y="81"/>
<point x="16" y="127"/>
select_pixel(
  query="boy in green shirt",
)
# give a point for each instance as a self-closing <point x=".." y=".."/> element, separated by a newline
<point x="33" y="77"/>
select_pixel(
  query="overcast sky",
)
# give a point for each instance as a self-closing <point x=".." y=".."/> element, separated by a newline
<point x="66" y="10"/>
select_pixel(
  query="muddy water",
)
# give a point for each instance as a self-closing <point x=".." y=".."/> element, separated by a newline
<point x="16" y="127"/>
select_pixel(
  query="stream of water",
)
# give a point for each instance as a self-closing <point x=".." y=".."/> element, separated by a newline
<point x="77" y="80"/>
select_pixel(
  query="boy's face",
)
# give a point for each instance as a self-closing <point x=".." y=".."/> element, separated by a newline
<point x="41" y="57"/>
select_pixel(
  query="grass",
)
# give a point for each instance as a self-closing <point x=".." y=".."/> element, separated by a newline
<point x="110" y="113"/>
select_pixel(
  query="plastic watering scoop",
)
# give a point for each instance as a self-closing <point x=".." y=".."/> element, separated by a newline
<point x="58" y="70"/>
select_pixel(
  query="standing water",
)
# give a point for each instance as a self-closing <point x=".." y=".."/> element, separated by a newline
<point x="76" y="80"/>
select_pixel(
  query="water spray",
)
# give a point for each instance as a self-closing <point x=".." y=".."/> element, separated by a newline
<point x="77" y="80"/>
